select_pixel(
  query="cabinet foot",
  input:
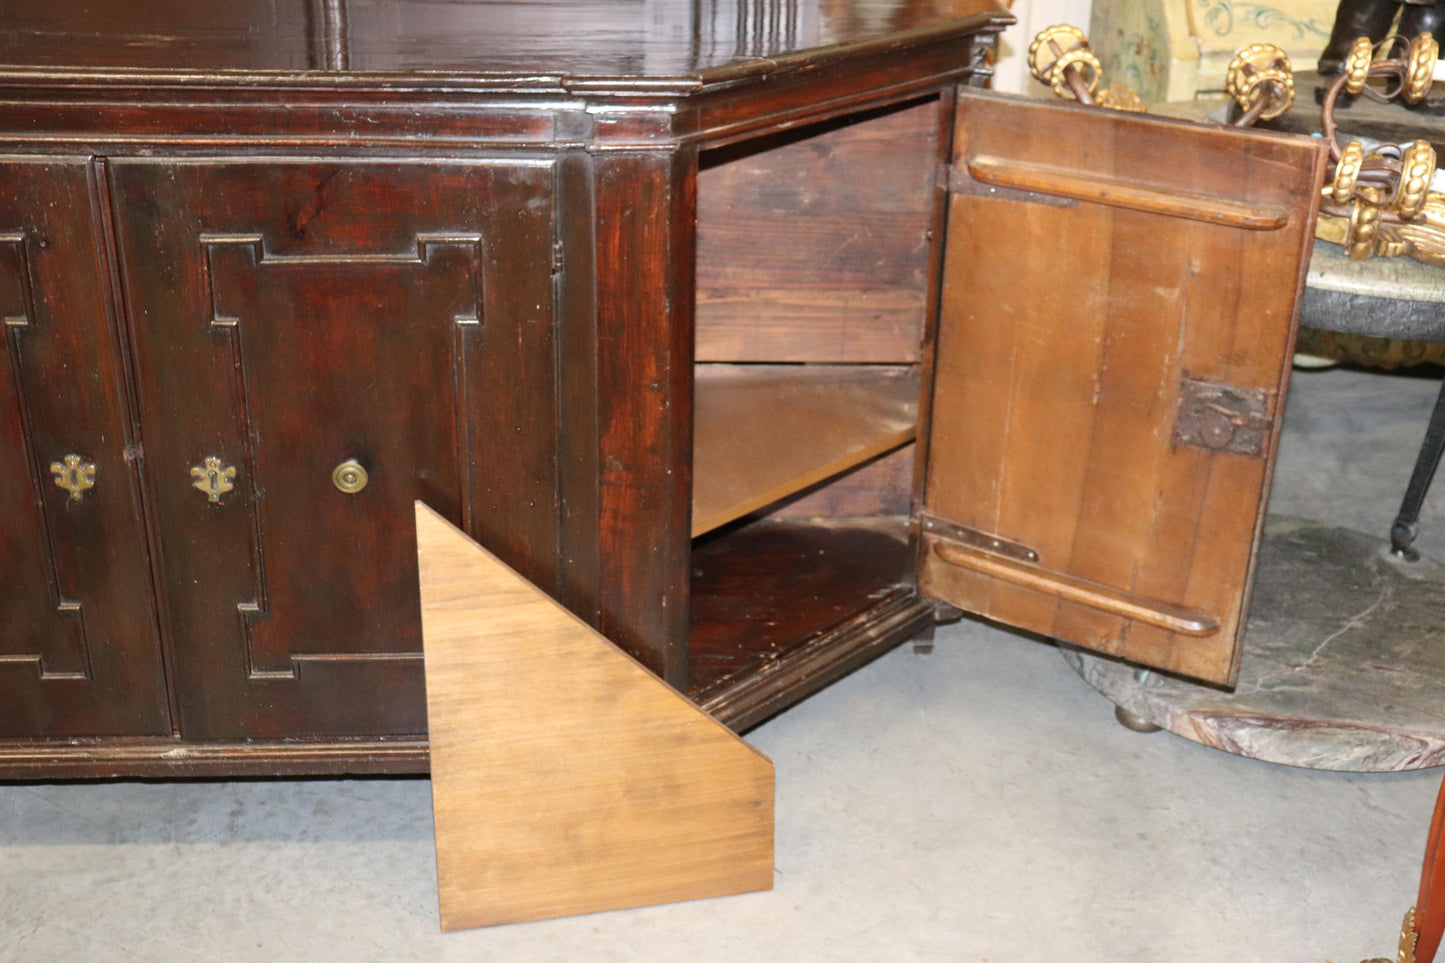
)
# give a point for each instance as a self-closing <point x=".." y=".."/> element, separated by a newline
<point x="945" y="614"/>
<point x="923" y="641"/>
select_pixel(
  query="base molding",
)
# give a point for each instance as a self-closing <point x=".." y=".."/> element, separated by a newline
<point x="740" y="702"/>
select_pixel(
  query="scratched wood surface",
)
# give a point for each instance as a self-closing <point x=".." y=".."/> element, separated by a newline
<point x="1061" y="358"/>
<point x="566" y="778"/>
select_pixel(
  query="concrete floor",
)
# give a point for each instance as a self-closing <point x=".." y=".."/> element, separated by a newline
<point x="978" y="804"/>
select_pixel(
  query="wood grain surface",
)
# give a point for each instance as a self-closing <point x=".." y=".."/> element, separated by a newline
<point x="1062" y="355"/>
<point x="566" y="778"/>
<point x="79" y="653"/>
<point x="530" y="39"/>
<point x="813" y="245"/>
<point x="286" y="315"/>
<point x="767" y="431"/>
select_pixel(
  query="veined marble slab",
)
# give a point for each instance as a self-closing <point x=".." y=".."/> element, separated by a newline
<point x="1343" y="665"/>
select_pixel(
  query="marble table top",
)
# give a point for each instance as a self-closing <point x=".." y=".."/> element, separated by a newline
<point x="1343" y="665"/>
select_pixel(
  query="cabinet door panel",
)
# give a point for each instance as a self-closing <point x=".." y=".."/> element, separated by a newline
<point x="1118" y="314"/>
<point x="294" y="316"/>
<point x="78" y="649"/>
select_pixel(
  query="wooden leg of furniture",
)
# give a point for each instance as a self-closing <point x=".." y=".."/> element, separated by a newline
<point x="943" y="614"/>
<point x="923" y="641"/>
<point x="566" y="778"/>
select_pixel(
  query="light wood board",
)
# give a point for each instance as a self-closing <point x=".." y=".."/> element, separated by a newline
<point x="763" y="432"/>
<point x="1146" y="259"/>
<point x="566" y="778"/>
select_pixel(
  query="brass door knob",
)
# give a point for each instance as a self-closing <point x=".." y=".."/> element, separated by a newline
<point x="349" y="476"/>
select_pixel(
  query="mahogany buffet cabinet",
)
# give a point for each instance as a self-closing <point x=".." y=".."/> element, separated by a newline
<point x="748" y="331"/>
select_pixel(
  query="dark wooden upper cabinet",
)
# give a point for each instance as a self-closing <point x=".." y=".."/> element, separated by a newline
<point x="78" y="651"/>
<point x="1108" y="385"/>
<point x="318" y="345"/>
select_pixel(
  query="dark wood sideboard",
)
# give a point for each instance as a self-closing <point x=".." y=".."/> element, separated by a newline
<point x="746" y="330"/>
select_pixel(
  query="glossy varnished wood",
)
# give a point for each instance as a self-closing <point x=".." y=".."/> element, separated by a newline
<point x="645" y="211"/>
<point x="566" y="778"/>
<point x="533" y="41"/>
<point x="78" y="648"/>
<point x="292" y="188"/>
<point x="1059" y="370"/>
<point x="289" y="316"/>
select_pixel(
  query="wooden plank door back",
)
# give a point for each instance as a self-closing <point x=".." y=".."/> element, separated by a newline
<point x="1116" y="325"/>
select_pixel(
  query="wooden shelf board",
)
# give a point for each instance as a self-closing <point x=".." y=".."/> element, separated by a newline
<point x="763" y="432"/>
<point x="781" y="608"/>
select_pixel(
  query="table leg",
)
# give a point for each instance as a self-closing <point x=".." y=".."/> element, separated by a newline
<point x="1407" y="523"/>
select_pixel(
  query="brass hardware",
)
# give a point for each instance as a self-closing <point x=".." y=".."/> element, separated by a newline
<point x="978" y="539"/>
<point x="1417" y="169"/>
<point x="1061" y="57"/>
<point x="1422" y="237"/>
<point x="1347" y="172"/>
<point x="349" y="476"/>
<point x="1424" y="52"/>
<point x="1357" y="64"/>
<point x="1049" y="44"/>
<point x="1223" y="418"/>
<point x="1379" y="202"/>
<point x="1364" y="225"/>
<point x="74" y="474"/>
<point x="1261" y="81"/>
<point x="213" y="478"/>
<point x="1081" y="59"/>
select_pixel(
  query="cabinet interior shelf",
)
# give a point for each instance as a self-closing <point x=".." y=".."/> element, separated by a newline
<point x="763" y="432"/>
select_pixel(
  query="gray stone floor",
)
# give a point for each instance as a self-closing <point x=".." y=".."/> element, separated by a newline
<point x="978" y="804"/>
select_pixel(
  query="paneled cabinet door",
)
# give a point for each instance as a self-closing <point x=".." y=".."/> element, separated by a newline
<point x="78" y="649"/>
<point x="1118" y="314"/>
<point x="319" y="343"/>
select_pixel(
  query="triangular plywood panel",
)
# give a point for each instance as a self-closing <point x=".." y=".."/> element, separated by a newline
<point x="566" y="778"/>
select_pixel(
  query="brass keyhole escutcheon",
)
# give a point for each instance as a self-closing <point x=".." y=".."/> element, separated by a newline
<point x="213" y="477"/>
<point x="349" y="476"/>
<point x="74" y="474"/>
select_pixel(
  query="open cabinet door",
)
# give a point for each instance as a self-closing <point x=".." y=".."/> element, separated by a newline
<point x="1118" y="314"/>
